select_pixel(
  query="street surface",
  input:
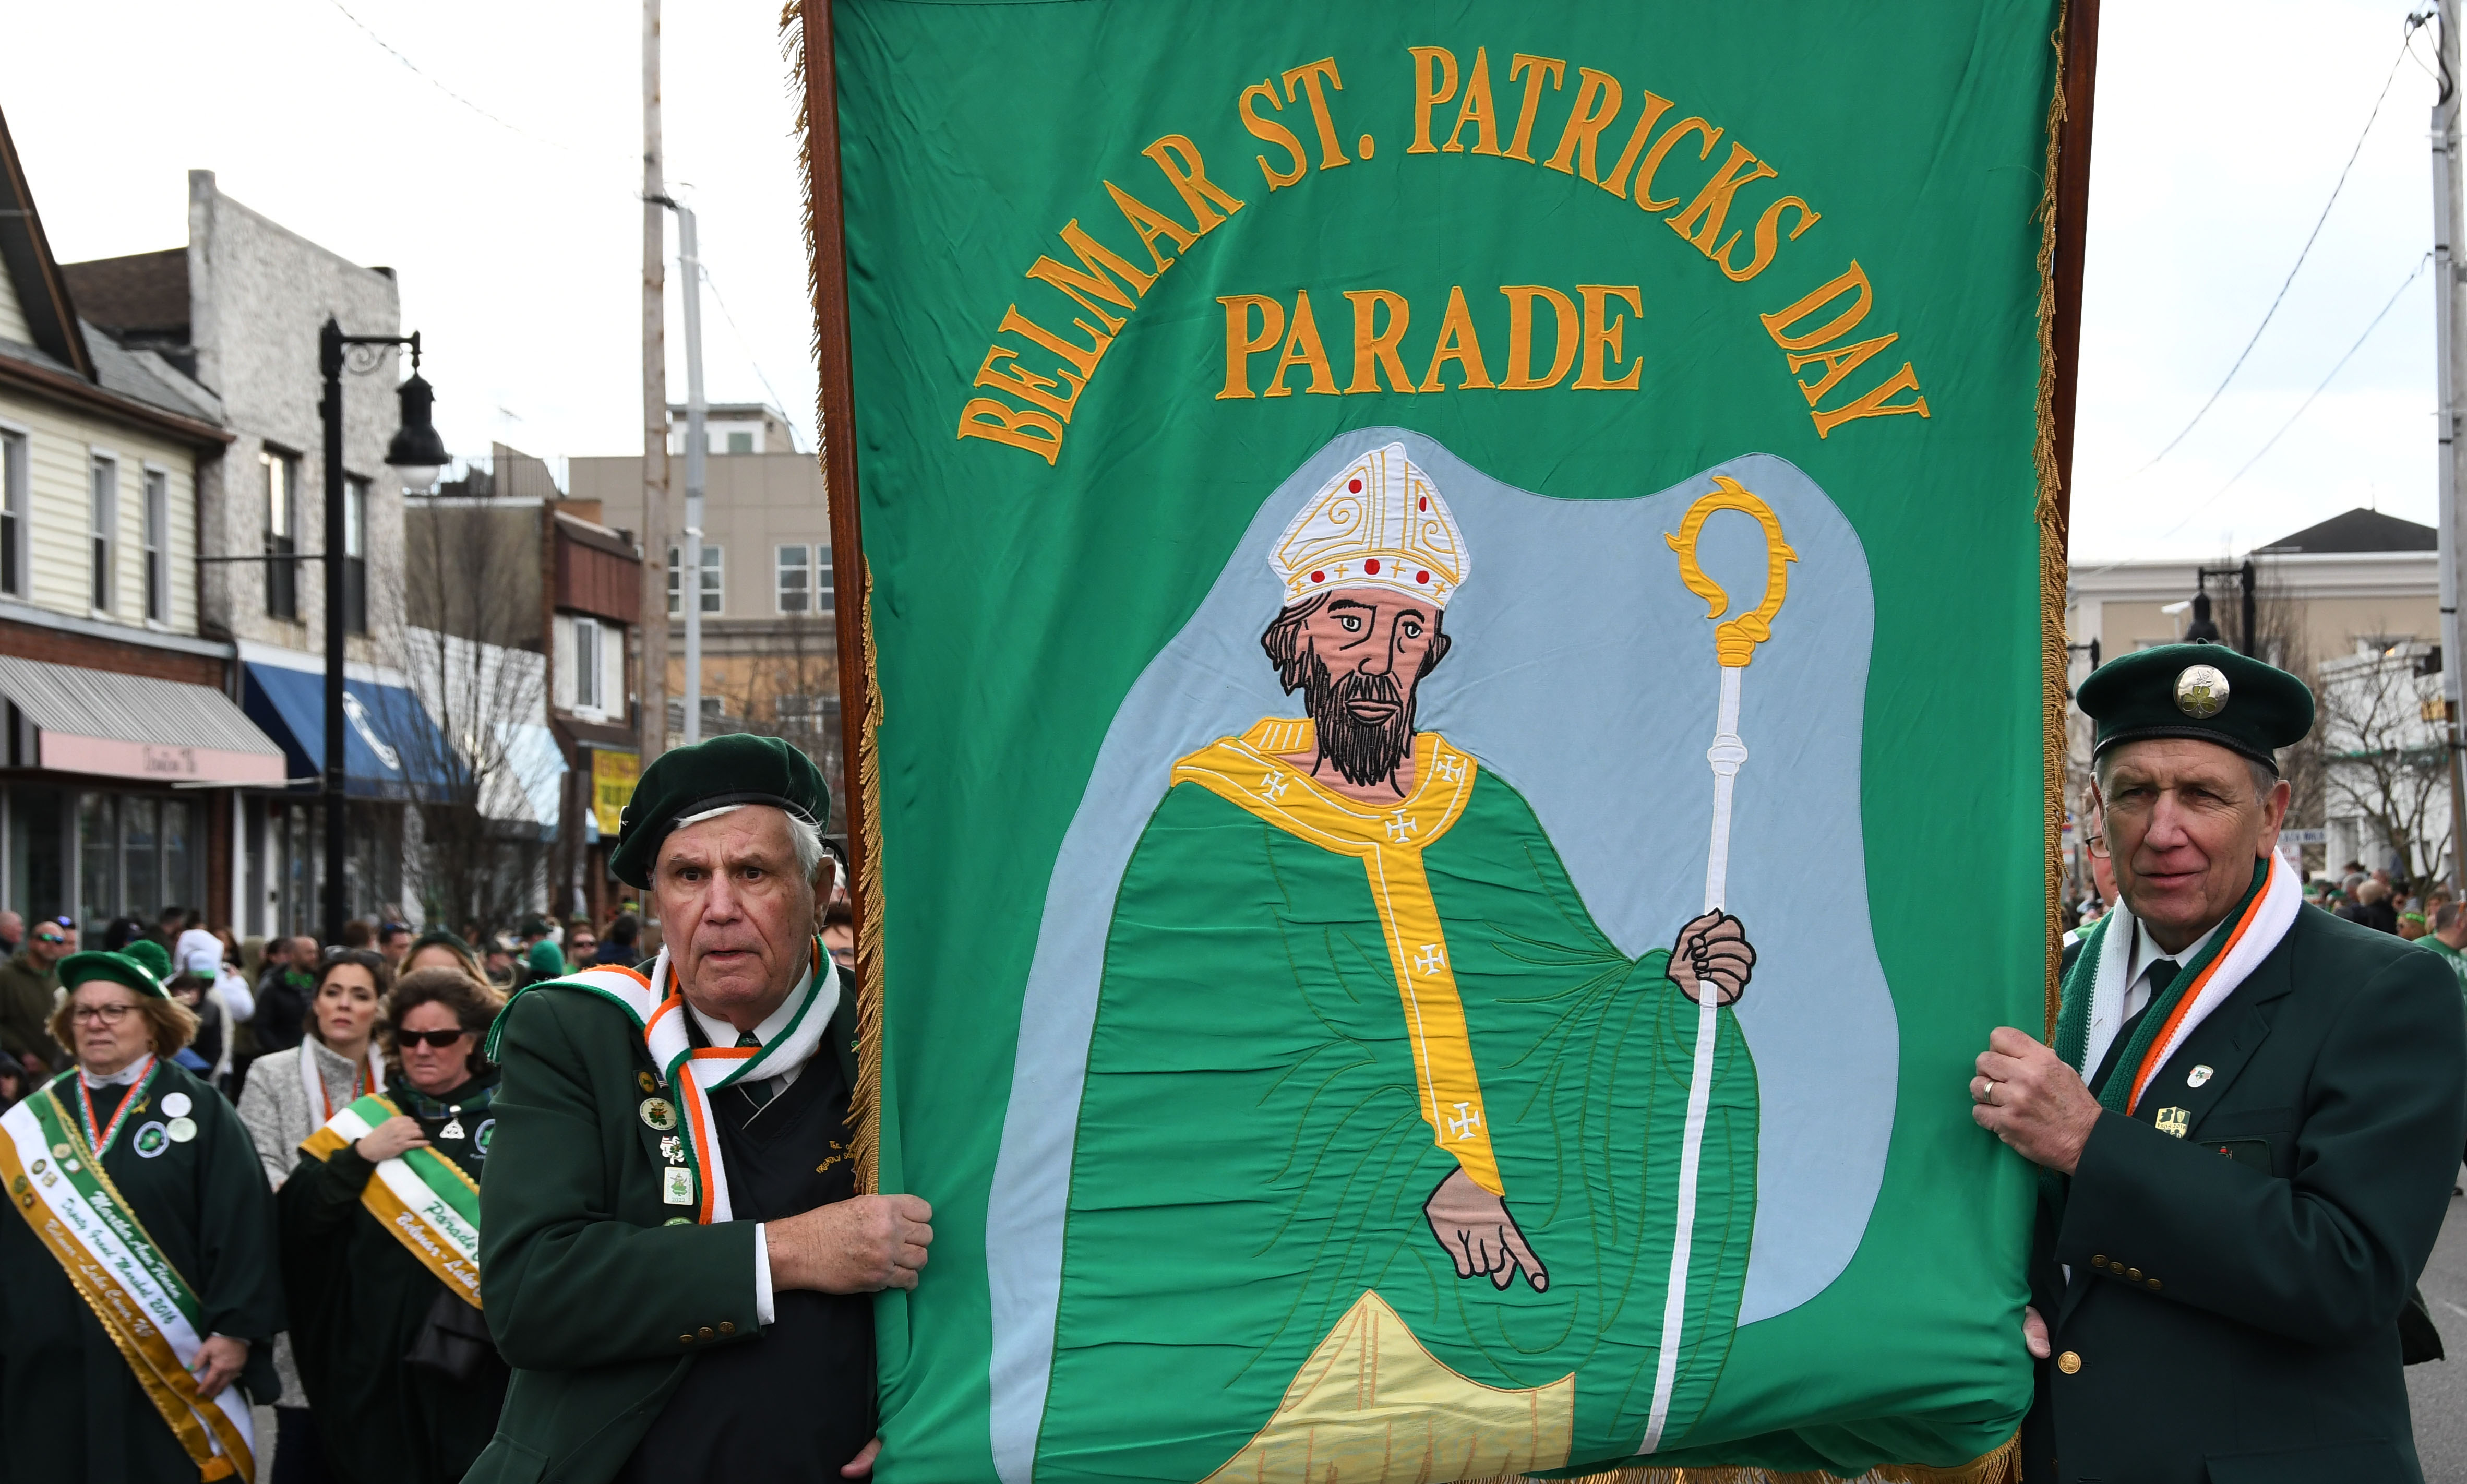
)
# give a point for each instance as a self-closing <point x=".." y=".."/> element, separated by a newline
<point x="2437" y="1392"/>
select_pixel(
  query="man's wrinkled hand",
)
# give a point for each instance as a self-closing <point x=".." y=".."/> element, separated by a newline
<point x="2026" y="1095"/>
<point x="1712" y="949"/>
<point x="1478" y="1234"/>
<point x="859" y="1246"/>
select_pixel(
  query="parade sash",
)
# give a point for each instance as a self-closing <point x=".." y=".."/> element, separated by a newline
<point x="146" y="1307"/>
<point x="658" y="1009"/>
<point x="424" y="1198"/>
<point x="2094" y="988"/>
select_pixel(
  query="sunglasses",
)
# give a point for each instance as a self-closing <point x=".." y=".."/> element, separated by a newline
<point x="49" y="937"/>
<point x="439" y="1039"/>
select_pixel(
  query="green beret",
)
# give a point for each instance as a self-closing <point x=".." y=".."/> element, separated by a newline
<point x="2204" y="691"/>
<point x="735" y="769"/>
<point x="125" y="967"/>
<point x="152" y="957"/>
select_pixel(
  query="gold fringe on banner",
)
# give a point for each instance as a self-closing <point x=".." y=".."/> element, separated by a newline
<point x="1998" y="1466"/>
<point x="865" y="1101"/>
<point x="2053" y="657"/>
<point x="865" y="772"/>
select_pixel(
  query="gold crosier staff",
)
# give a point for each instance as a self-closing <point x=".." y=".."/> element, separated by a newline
<point x="1735" y="644"/>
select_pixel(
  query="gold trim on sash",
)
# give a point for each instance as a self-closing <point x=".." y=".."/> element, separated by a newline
<point x="160" y="1373"/>
<point x="1247" y="773"/>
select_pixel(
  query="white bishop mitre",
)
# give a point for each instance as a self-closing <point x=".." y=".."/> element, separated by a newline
<point x="1379" y="522"/>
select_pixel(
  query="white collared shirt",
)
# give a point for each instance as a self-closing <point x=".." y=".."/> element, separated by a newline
<point x="720" y="1034"/>
<point x="2147" y="951"/>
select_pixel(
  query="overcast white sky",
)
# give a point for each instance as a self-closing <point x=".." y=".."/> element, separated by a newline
<point x="2220" y="134"/>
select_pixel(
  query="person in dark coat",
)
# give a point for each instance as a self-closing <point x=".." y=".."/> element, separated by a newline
<point x="383" y="1342"/>
<point x="2247" y="1129"/>
<point x="71" y="1406"/>
<point x="282" y="996"/>
<point x="680" y="1268"/>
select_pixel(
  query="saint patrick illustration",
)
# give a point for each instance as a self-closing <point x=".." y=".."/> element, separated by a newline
<point x="1392" y="1132"/>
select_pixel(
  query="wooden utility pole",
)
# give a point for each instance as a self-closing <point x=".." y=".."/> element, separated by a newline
<point x="2446" y="350"/>
<point x="652" y="720"/>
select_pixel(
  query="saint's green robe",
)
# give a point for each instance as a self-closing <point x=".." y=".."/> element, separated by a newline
<point x="1257" y="1136"/>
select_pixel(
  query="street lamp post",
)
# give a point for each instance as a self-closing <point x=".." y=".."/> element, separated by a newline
<point x="419" y="455"/>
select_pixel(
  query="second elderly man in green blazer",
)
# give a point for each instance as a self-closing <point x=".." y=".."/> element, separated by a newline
<point x="2248" y="1123"/>
<point x="673" y="1255"/>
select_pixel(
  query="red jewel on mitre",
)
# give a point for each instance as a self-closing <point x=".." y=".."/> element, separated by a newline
<point x="1318" y="576"/>
<point x="1355" y="487"/>
<point x="1371" y="566"/>
<point x="1421" y="576"/>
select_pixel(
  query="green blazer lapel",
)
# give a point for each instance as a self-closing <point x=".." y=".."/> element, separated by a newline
<point x="2225" y="1043"/>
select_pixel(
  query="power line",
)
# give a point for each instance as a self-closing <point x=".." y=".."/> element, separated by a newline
<point x="742" y="343"/>
<point x="2391" y="77"/>
<point x="414" y="68"/>
<point x="2421" y="265"/>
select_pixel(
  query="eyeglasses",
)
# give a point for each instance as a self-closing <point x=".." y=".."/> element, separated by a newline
<point x="100" y="1014"/>
<point x="2096" y="845"/>
<point x="439" y="1039"/>
<point x="49" y="937"/>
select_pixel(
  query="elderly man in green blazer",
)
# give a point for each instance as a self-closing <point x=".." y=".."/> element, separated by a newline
<point x="673" y="1255"/>
<point x="2248" y="1125"/>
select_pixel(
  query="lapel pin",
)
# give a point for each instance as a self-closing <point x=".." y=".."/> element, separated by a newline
<point x="2197" y="1076"/>
<point x="2174" y="1122"/>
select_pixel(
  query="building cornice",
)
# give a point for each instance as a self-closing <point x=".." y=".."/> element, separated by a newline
<point x="2294" y="574"/>
<point x="42" y="381"/>
<point x="116" y="633"/>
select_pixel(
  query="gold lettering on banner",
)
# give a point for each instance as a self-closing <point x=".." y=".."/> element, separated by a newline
<point x="1027" y="386"/>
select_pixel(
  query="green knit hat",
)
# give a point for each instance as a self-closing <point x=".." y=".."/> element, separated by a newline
<point x="125" y="967"/>
<point x="2204" y="691"/>
<point x="735" y="769"/>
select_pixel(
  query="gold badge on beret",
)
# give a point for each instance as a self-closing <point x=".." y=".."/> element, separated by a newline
<point x="2201" y="691"/>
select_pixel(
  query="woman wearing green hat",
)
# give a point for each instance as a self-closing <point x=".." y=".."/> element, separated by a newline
<point x="142" y="1290"/>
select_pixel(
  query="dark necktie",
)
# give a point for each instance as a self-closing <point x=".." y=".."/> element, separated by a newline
<point x="2162" y="978"/>
<point x="756" y="1092"/>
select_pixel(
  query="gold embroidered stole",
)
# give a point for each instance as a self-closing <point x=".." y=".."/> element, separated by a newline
<point x="1389" y="840"/>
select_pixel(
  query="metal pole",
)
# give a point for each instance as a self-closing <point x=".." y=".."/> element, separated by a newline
<point x="330" y="363"/>
<point x="2252" y="645"/>
<point x="689" y="266"/>
<point x="653" y="725"/>
<point x="2445" y="293"/>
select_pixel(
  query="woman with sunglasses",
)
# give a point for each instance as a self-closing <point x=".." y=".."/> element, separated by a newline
<point x="385" y="1316"/>
<point x="149" y="1376"/>
<point x="289" y="1095"/>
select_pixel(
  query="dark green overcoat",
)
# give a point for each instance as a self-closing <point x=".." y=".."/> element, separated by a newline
<point x="596" y="1300"/>
<point x="70" y="1407"/>
<point x="2232" y="1315"/>
<point x="359" y="1301"/>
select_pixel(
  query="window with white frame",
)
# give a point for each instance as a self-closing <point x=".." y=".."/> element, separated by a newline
<point x="355" y="554"/>
<point x="586" y="664"/>
<point x="280" y="474"/>
<point x="711" y="568"/>
<point x="796" y="578"/>
<point x="12" y="513"/>
<point x="156" y="530"/>
<point x="103" y="527"/>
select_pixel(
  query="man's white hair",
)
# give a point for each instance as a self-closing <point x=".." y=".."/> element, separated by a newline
<point x="806" y="835"/>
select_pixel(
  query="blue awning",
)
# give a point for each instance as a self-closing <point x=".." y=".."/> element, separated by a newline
<point x="391" y="750"/>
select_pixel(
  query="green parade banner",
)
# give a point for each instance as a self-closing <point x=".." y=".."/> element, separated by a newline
<point x="1447" y="619"/>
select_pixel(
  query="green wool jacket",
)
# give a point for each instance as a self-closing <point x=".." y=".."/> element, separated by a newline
<point x="598" y="1293"/>
<point x="2233" y="1309"/>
